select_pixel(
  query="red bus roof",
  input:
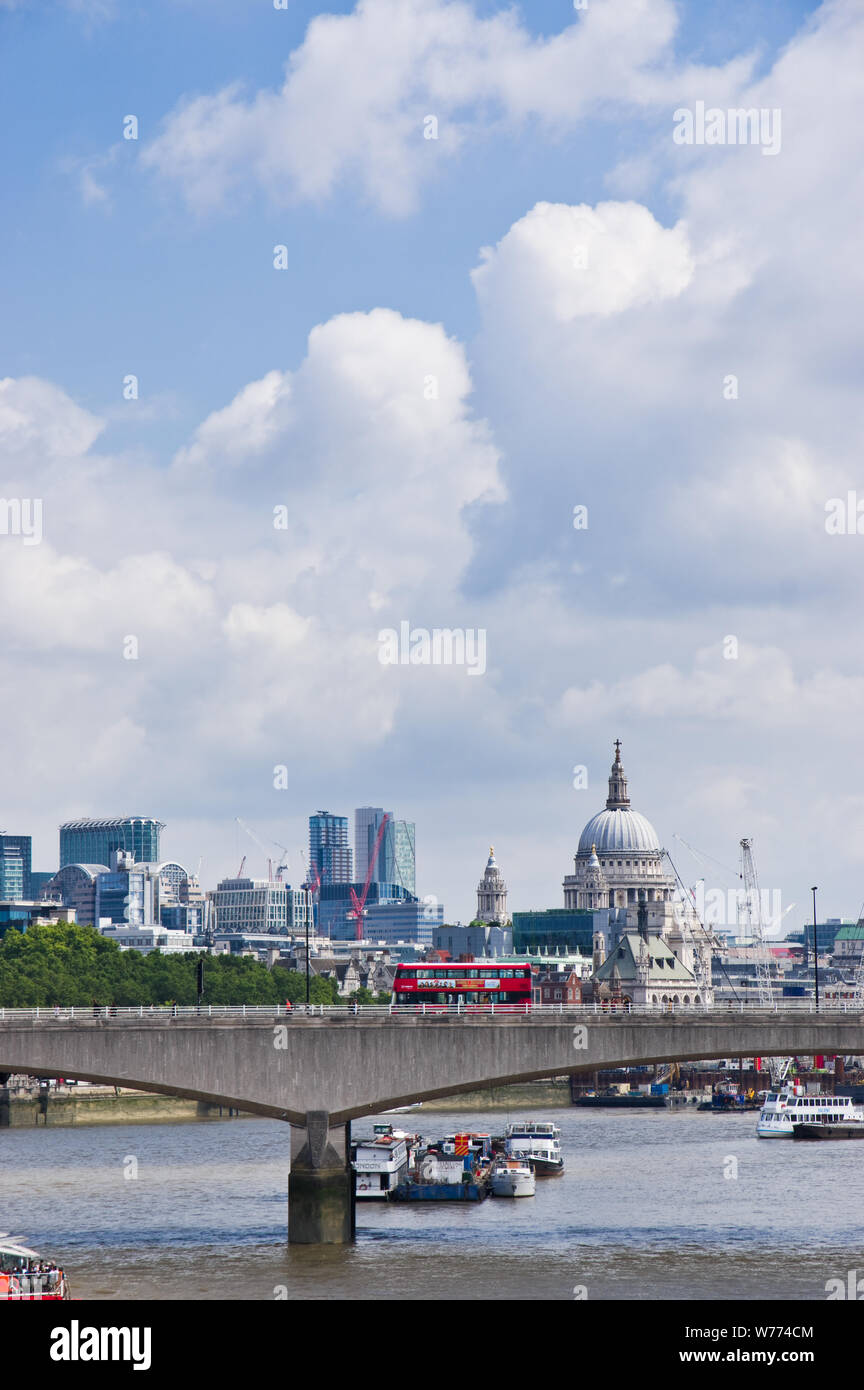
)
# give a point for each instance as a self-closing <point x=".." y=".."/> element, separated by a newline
<point x="454" y="966"/>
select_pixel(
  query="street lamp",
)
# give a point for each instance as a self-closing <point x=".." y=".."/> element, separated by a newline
<point x="815" y="949"/>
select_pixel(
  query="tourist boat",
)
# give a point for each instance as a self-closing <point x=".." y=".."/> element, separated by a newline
<point x="25" y="1277"/>
<point x="539" y="1142"/>
<point x="511" y="1177"/>
<point x="785" y="1109"/>
<point x="380" y="1164"/>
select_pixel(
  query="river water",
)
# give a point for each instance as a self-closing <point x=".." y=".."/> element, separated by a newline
<point x="643" y="1211"/>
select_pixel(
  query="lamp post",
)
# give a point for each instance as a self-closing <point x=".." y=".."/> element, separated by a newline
<point x="815" y="950"/>
<point x="308" y="914"/>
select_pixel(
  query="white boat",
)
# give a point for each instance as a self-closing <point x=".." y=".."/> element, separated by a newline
<point x="791" y="1106"/>
<point x="537" y="1141"/>
<point x="511" y="1177"/>
<point x="379" y="1163"/>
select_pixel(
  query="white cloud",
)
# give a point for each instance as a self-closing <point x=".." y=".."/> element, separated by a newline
<point x="36" y="416"/>
<point x="601" y="384"/>
<point x="760" y="688"/>
<point x="357" y="91"/>
<point x="560" y="263"/>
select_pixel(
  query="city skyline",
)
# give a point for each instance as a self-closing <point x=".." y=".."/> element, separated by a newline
<point x="715" y="898"/>
<point x="513" y="350"/>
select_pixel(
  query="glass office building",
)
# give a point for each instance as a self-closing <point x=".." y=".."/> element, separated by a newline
<point x="123" y="897"/>
<point x="396" y="861"/>
<point x="329" y="853"/>
<point x="557" y="929"/>
<point x="335" y="904"/>
<point x="91" y="841"/>
<point x="15" y="853"/>
<point x="391" y="916"/>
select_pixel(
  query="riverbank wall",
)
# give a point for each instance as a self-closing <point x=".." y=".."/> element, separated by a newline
<point x="105" y="1106"/>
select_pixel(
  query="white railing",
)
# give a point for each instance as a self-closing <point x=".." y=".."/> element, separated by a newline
<point x="164" y="1014"/>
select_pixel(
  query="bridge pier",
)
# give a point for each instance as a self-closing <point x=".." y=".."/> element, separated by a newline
<point x="321" y="1203"/>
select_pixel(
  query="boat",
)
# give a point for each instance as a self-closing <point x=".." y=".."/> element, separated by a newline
<point x="732" y="1102"/>
<point x="457" y="1171"/>
<point x="480" y="1145"/>
<point x="25" y="1277"/>
<point x="511" y="1177"/>
<point x="537" y="1141"/>
<point x="380" y="1163"/>
<point x="785" y="1109"/>
<point x="621" y="1100"/>
<point x="853" y="1130"/>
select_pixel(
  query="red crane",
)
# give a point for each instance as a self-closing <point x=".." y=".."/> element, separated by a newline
<point x="358" y="904"/>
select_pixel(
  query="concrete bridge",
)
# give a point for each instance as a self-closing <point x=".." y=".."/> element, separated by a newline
<point x="320" y="1072"/>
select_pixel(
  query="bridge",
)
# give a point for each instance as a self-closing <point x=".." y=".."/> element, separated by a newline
<point x="321" y="1070"/>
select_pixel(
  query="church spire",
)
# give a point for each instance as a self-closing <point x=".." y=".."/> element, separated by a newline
<point x="618" y="800"/>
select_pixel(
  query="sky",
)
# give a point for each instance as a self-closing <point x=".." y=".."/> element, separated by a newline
<point x="372" y="299"/>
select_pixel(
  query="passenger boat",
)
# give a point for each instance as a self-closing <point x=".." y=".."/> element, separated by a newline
<point x="25" y="1277"/>
<point x="539" y="1142"/>
<point x="785" y="1109"/>
<point x="380" y="1163"/>
<point x="511" y="1177"/>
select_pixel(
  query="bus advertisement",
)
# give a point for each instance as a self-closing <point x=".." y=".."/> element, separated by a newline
<point x="468" y="983"/>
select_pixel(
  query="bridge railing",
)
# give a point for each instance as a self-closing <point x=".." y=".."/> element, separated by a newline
<point x="83" y="1013"/>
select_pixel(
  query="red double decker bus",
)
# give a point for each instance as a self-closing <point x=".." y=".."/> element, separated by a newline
<point x="472" y="984"/>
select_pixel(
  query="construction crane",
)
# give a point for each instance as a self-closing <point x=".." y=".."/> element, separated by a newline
<point x="239" y="873"/>
<point x="858" y="987"/>
<point x="283" y="862"/>
<point x="263" y="848"/>
<point x="311" y="881"/>
<point x="752" y="912"/>
<point x="358" y="905"/>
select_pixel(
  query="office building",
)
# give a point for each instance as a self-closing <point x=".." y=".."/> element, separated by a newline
<point x="261" y="907"/>
<point x="557" y="929"/>
<point x="474" y="942"/>
<point x="335" y="906"/>
<point x="396" y="859"/>
<point x="146" y="939"/>
<point x="330" y="857"/>
<point x="15" y="852"/>
<point x="90" y="841"/>
<point x="38" y="880"/>
<point x="127" y="893"/>
<point x="74" y="888"/>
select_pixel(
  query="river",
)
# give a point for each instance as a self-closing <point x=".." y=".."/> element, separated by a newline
<point x="643" y="1211"/>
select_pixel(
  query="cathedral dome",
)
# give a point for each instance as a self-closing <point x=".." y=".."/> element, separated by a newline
<point x="619" y="832"/>
<point x="618" y="829"/>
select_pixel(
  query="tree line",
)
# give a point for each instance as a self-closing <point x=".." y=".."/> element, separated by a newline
<point x="67" y="964"/>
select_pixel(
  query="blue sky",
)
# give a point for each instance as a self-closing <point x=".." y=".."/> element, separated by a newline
<point x="155" y="257"/>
